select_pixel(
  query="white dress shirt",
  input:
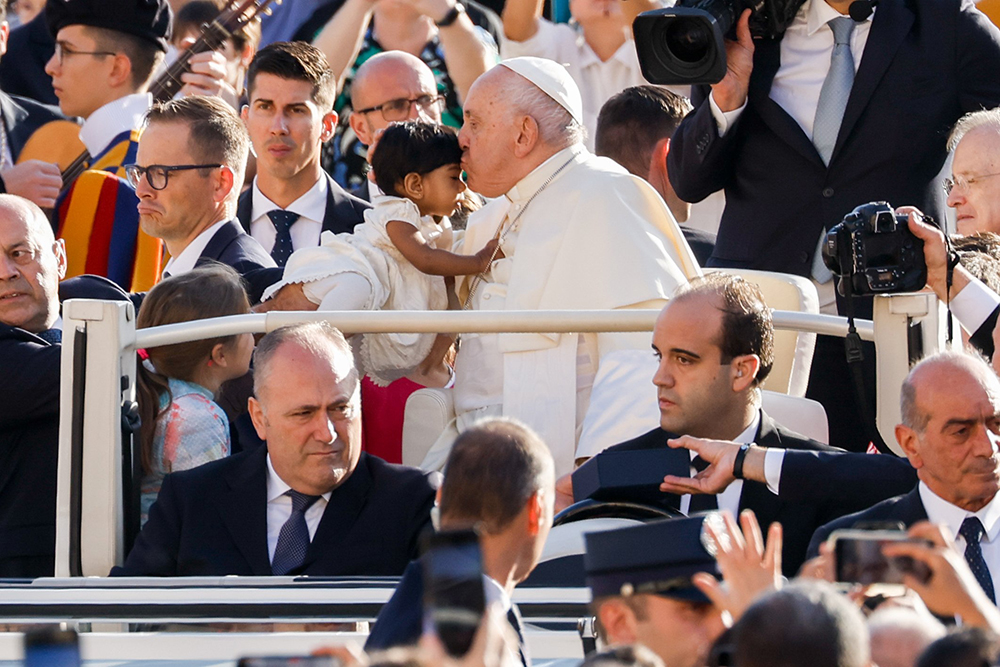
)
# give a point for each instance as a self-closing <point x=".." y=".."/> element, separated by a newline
<point x="279" y="509"/>
<point x="305" y="231"/>
<point x="124" y="114"/>
<point x="729" y="499"/>
<point x="187" y="258"/>
<point x="806" y="50"/>
<point x="940" y="510"/>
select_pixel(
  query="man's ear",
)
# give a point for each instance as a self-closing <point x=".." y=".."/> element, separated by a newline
<point x="619" y="622"/>
<point x="225" y="183"/>
<point x="244" y="112"/>
<point x="329" y="125"/>
<point x="121" y="72"/>
<point x="249" y="51"/>
<point x="536" y="512"/>
<point x="909" y="442"/>
<point x="4" y="34"/>
<point x="59" y="249"/>
<point x="658" y="160"/>
<point x="258" y="417"/>
<point x="527" y="136"/>
<point x="745" y="368"/>
<point x="359" y="124"/>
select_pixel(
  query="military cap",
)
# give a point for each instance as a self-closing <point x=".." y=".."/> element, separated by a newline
<point x="657" y="558"/>
<point x="148" y="19"/>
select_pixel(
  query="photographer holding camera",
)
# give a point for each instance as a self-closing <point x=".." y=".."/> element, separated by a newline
<point x="834" y="113"/>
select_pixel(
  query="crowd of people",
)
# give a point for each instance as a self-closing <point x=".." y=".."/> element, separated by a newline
<point x="446" y="154"/>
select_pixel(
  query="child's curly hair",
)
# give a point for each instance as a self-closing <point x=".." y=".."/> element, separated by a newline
<point x="413" y="147"/>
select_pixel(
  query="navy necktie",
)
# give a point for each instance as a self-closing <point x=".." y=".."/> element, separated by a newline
<point x="514" y="618"/>
<point x="701" y="502"/>
<point x="972" y="530"/>
<point x="51" y="336"/>
<point x="283" y="221"/>
<point x="293" y="540"/>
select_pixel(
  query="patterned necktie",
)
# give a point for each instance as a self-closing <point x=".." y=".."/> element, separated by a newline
<point x="830" y="112"/>
<point x="51" y="336"/>
<point x="293" y="540"/>
<point x="701" y="502"/>
<point x="283" y="221"/>
<point x="972" y="531"/>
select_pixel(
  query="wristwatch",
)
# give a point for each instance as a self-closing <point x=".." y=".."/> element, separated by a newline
<point x="738" y="463"/>
<point x="452" y="15"/>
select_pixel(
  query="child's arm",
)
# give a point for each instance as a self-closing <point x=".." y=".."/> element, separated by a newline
<point x="432" y="261"/>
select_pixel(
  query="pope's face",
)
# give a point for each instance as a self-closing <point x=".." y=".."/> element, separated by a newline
<point x="488" y="137"/>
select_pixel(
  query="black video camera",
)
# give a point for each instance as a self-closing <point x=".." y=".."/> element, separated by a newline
<point x="684" y="44"/>
<point x="875" y="250"/>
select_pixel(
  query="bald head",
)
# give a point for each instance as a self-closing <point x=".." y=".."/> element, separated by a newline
<point x="31" y="264"/>
<point x="941" y="373"/>
<point x="391" y="75"/>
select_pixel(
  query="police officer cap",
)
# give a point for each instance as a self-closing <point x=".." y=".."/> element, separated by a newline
<point x="148" y="19"/>
<point x="657" y="558"/>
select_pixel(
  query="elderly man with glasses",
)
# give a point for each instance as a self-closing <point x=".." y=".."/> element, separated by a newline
<point x="187" y="176"/>
<point x="973" y="190"/>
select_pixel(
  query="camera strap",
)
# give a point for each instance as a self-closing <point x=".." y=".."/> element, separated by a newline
<point x="952" y="262"/>
<point x="855" y="359"/>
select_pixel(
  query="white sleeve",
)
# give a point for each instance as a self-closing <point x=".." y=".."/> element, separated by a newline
<point x="773" y="460"/>
<point x="974" y="304"/>
<point x="723" y="119"/>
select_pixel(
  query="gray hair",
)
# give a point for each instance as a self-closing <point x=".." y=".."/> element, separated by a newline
<point x="556" y="127"/>
<point x="899" y="634"/>
<point x="911" y="414"/>
<point x="989" y="118"/>
<point x="319" y="338"/>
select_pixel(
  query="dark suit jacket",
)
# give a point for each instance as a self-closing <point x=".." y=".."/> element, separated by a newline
<point x="29" y="442"/>
<point x="233" y="246"/>
<point x="21" y="117"/>
<point x="212" y="520"/>
<point x="798" y="520"/>
<point x="923" y="68"/>
<point x="400" y="621"/>
<point x="906" y="509"/>
<point x="22" y="68"/>
<point x="343" y="213"/>
<point x="851" y="482"/>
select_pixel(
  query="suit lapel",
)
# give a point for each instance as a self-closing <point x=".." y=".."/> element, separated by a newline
<point x="767" y="59"/>
<point x="890" y="25"/>
<point x="244" y="509"/>
<point x="220" y="241"/>
<point x="244" y="209"/>
<point x="342" y="511"/>
<point x="757" y="497"/>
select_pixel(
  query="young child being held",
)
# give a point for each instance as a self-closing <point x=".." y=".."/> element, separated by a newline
<point x="396" y="258"/>
<point x="182" y="425"/>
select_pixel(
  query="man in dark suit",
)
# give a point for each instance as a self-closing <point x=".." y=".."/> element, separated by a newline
<point x="634" y="129"/>
<point x="791" y="172"/>
<point x="289" y="116"/>
<point x="187" y="176"/>
<point x="310" y="502"/>
<point x="31" y="263"/>
<point x="22" y="71"/>
<point x="715" y="344"/>
<point x="950" y="431"/>
<point x="499" y="477"/>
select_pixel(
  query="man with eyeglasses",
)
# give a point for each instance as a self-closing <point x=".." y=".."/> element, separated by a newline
<point x="187" y="175"/>
<point x="389" y="87"/>
<point x="974" y="189"/>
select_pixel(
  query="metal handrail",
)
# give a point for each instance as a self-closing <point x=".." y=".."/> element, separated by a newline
<point x="454" y="321"/>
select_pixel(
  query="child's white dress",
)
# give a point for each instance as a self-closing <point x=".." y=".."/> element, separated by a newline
<point x="330" y="276"/>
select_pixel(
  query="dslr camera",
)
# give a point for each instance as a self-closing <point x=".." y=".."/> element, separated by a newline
<point x="875" y="250"/>
<point x="684" y="44"/>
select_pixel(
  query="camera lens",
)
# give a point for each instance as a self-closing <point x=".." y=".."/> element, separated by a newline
<point x="688" y="39"/>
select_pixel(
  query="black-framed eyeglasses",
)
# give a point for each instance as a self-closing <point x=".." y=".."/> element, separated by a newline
<point x="157" y="175"/>
<point x="62" y="51"/>
<point x="399" y="109"/>
<point x="964" y="183"/>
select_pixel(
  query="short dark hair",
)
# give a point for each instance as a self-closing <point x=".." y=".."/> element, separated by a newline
<point x="807" y="623"/>
<point x="633" y="121"/>
<point x="964" y="647"/>
<point x="144" y="54"/>
<point x="298" y="61"/>
<point x="413" y="147"/>
<point x="747" y="326"/>
<point x="492" y="471"/>
<point x="196" y="13"/>
<point x="216" y="133"/>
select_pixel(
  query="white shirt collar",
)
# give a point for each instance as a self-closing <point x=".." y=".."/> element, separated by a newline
<point x="276" y="486"/>
<point x="124" y="114"/>
<point x="495" y="593"/>
<point x="818" y="13"/>
<point x="58" y="324"/>
<point x="311" y="205"/>
<point x="187" y="258"/>
<point x="940" y="510"/>
<point x="748" y="435"/>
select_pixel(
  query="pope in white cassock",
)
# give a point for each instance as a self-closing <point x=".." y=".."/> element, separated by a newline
<point x="576" y="232"/>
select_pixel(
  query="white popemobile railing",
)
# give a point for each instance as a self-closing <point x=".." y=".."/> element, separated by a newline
<point x="98" y="379"/>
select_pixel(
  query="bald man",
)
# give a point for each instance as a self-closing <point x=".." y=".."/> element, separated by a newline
<point x="31" y="263"/>
<point x="391" y="86"/>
